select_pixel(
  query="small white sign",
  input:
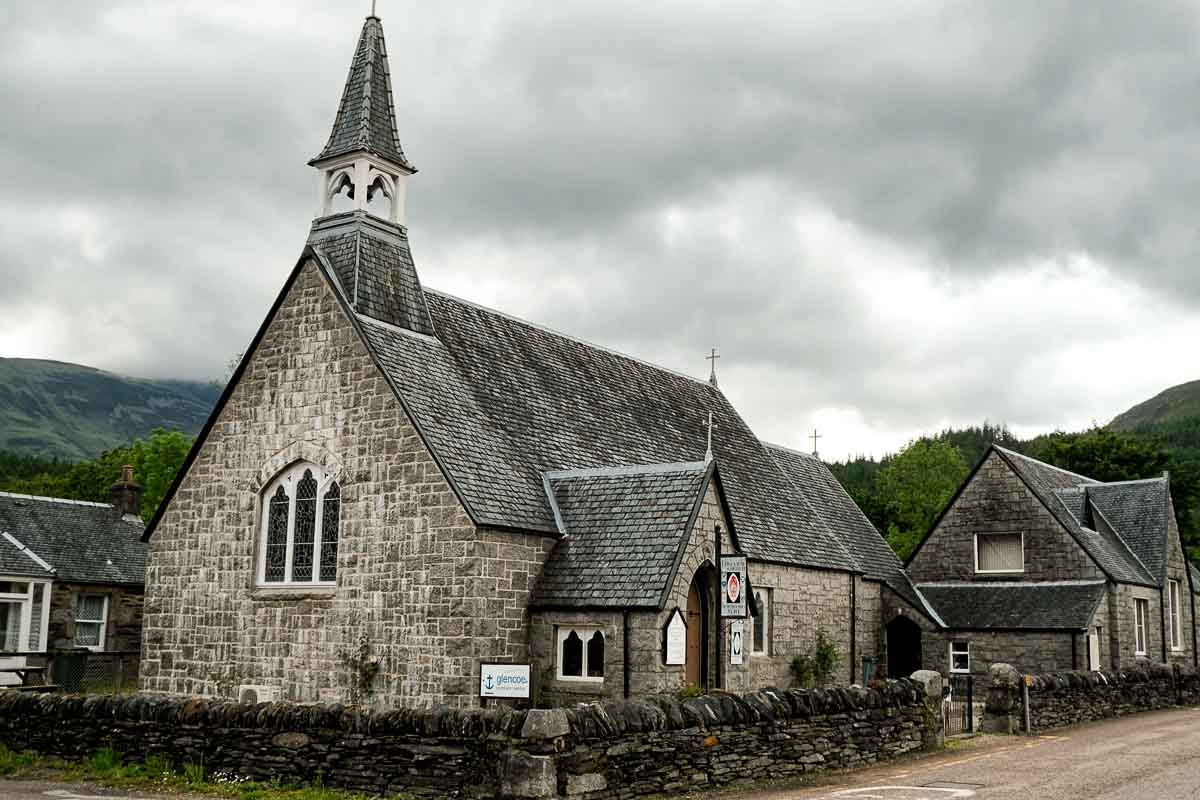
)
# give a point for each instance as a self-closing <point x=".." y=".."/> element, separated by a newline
<point x="733" y="586"/>
<point x="676" y="639"/>
<point x="504" y="680"/>
<point x="737" y="637"/>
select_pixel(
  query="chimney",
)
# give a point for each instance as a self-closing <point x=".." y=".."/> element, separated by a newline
<point x="125" y="495"/>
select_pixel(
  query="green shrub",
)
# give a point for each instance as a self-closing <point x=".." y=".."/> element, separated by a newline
<point x="802" y="671"/>
<point x="194" y="773"/>
<point x="105" y="762"/>
<point x="825" y="659"/>
<point x="688" y="691"/>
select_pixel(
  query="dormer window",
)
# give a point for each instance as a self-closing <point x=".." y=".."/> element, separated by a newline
<point x="301" y="512"/>
<point x="999" y="553"/>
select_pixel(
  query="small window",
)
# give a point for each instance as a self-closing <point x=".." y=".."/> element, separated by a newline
<point x="1141" y="610"/>
<point x="580" y="654"/>
<point x="1173" y="612"/>
<point x="1000" y="552"/>
<point x="91" y="620"/>
<point x="301" y="509"/>
<point x="960" y="656"/>
<point x="761" y="645"/>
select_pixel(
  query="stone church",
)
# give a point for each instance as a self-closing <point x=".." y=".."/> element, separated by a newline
<point x="401" y="482"/>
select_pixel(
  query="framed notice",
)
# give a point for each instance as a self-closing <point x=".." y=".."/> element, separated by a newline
<point x="733" y="586"/>
<point x="737" y="641"/>
<point x="504" y="680"/>
<point x="675" y="639"/>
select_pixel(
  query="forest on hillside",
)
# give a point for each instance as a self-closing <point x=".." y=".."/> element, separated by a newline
<point x="903" y="493"/>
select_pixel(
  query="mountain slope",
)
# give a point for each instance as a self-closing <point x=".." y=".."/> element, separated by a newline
<point x="1176" y="403"/>
<point x="55" y="409"/>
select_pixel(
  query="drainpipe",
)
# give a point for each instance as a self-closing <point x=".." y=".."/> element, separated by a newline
<point x="717" y="608"/>
<point x="625" y="651"/>
<point x="1162" y="622"/>
<point x="1075" y="651"/>
<point x="853" y="626"/>
<point x="1195" y="654"/>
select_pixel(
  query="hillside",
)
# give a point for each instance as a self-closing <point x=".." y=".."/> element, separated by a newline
<point x="52" y="409"/>
<point x="1177" y="403"/>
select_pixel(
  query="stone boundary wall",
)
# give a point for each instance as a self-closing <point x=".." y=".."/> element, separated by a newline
<point x="1069" y="698"/>
<point x="601" y="750"/>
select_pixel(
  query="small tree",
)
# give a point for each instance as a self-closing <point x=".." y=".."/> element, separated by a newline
<point x="357" y="662"/>
<point x="825" y="658"/>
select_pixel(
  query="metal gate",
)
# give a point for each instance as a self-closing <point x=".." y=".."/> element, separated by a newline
<point x="958" y="705"/>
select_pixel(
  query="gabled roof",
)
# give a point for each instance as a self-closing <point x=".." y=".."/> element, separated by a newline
<point x="366" y="118"/>
<point x="1065" y="605"/>
<point x="69" y="540"/>
<point x="1057" y="489"/>
<point x="1138" y="512"/>
<point x="624" y="533"/>
<point x="501" y="401"/>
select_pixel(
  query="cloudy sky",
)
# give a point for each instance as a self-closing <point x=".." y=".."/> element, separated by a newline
<point x="889" y="217"/>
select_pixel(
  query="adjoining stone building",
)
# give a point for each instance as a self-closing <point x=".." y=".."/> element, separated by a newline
<point x="394" y="467"/>
<point x="1047" y="570"/>
<point x="71" y="576"/>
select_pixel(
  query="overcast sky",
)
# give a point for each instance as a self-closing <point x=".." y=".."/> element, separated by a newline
<point x="889" y="218"/>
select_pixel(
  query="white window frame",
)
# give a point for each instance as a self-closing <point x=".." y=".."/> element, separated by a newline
<point x="979" y="571"/>
<point x="964" y="650"/>
<point x="24" y="600"/>
<point x="762" y="648"/>
<point x="1141" y="610"/>
<point x="1093" y="644"/>
<point x="289" y="478"/>
<point x="103" y="621"/>
<point x="585" y="634"/>
<point x="1173" y="610"/>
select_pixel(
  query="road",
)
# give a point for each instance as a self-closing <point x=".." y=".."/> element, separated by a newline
<point x="1153" y="756"/>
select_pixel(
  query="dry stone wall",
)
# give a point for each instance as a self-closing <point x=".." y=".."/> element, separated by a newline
<point x="601" y="750"/>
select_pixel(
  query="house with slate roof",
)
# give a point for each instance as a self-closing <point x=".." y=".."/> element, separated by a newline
<point x="1048" y="570"/>
<point x="452" y="486"/>
<point x="71" y="574"/>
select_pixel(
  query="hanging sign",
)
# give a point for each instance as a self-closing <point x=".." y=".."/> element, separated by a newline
<point x="675" y="639"/>
<point x="733" y="586"/>
<point x="504" y="680"/>
<point x="737" y="638"/>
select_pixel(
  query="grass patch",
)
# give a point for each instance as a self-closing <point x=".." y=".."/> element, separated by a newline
<point x="107" y="767"/>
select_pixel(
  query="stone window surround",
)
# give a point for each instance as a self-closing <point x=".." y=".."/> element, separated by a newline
<point x="762" y="648"/>
<point x="102" y="621"/>
<point x="1141" y="611"/>
<point x="960" y="647"/>
<point x="1174" y="624"/>
<point x="585" y="634"/>
<point x="264" y="589"/>
<point x="979" y="571"/>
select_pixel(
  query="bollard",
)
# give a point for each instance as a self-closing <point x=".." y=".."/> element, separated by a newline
<point x="1025" y="703"/>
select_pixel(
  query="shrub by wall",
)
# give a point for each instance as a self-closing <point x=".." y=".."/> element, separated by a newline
<point x="612" y="749"/>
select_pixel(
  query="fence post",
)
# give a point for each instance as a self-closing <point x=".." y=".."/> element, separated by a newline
<point x="1025" y="704"/>
<point x="970" y="704"/>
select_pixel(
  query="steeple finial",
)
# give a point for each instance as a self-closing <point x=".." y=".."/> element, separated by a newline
<point x="373" y="9"/>
<point x="814" y="436"/>
<point x="713" y="357"/>
<point x="708" y="452"/>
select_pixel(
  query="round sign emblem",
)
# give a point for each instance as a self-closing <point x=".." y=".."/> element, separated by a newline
<point x="733" y="587"/>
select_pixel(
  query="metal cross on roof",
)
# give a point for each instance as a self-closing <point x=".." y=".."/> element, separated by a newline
<point x="713" y="357"/>
<point x="372" y="8"/>
<point x="814" y="436"/>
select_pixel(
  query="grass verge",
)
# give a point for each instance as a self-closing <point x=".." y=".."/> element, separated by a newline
<point x="156" y="774"/>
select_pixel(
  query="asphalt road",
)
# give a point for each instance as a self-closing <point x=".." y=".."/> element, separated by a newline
<point x="1152" y="756"/>
<point x="1143" y="757"/>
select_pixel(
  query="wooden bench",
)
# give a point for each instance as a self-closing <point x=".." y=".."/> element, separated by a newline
<point x="25" y="673"/>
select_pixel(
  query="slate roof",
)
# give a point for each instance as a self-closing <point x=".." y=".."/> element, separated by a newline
<point x="84" y="542"/>
<point x="624" y="532"/>
<point x="374" y="266"/>
<point x="821" y="489"/>
<point x="1138" y="511"/>
<point x="1015" y="606"/>
<point x="1058" y="491"/>
<point x="366" y="119"/>
<point x="502" y="400"/>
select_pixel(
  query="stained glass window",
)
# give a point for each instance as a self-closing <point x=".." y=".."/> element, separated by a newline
<point x="277" y="525"/>
<point x="305" y="536"/>
<point x="331" y="507"/>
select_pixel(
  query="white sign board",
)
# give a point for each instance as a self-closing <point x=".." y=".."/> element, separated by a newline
<point x="733" y="586"/>
<point x="737" y="638"/>
<point x="504" y="680"/>
<point x="675" y="640"/>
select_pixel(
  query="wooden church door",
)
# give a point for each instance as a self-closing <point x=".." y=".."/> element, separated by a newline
<point x="696" y="669"/>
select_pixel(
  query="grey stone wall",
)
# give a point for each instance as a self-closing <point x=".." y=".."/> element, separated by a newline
<point x="997" y="501"/>
<point x="609" y="750"/>
<point x="433" y="595"/>
<point x="124" y="629"/>
<point x="1029" y="652"/>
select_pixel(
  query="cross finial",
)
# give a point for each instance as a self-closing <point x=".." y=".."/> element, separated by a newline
<point x="713" y="357"/>
<point x="814" y="436"/>
<point x="372" y="8"/>
<point x="708" y="453"/>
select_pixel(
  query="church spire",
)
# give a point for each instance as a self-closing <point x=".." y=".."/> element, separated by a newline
<point x="363" y="155"/>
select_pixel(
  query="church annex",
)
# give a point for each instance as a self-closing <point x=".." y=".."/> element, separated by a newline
<point x="446" y="486"/>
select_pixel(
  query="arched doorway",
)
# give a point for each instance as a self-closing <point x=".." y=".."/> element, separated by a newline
<point x="699" y="621"/>
<point x="903" y="647"/>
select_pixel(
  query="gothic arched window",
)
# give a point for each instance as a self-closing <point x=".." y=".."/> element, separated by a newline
<point x="301" y="509"/>
<point x="580" y="654"/>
